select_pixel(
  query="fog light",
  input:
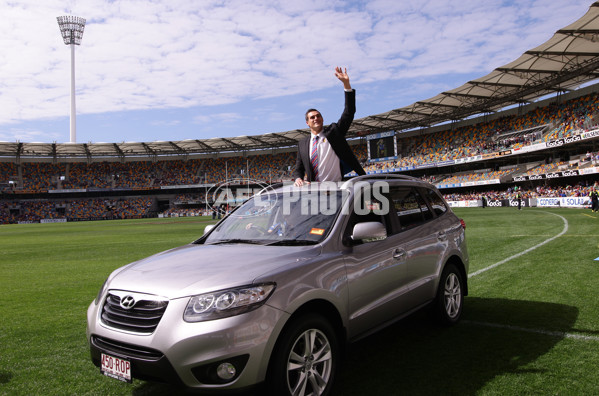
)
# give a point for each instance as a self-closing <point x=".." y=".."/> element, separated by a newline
<point x="222" y="372"/>
<point x="226" y="371"/>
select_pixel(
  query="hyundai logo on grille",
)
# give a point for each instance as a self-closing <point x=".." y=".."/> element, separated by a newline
<point x="127" y="302"/>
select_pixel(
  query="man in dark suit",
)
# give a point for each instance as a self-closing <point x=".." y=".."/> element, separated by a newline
<point x="325" y="155"/>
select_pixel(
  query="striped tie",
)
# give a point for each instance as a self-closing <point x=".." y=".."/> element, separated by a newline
<point x="314" y="157"/>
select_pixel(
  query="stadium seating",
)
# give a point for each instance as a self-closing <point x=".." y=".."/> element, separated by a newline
<point x="509" y="132"/>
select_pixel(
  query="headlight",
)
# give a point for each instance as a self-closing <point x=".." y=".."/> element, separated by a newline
<point x="224" y="303"/>
<point x="99" y="296"/>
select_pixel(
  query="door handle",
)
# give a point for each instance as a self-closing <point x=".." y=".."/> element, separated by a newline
<point x="441" y="236"/>
<point x="399" y="254"/>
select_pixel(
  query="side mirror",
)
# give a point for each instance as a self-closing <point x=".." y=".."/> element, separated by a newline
<point x="208" y="228"/>
<point x="369" y="231"/>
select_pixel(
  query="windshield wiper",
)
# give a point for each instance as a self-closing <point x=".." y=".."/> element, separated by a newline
<point x="292" y="242"/>
<point x="237" y="240"/>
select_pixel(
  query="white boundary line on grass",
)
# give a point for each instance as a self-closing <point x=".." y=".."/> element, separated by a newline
<point x="480" y="271"/>
<point x="559" y="334"/>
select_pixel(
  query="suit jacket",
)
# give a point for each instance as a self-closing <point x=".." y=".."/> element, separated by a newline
<point x="335" y="134"/>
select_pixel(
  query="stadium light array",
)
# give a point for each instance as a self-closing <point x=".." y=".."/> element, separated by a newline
<point x="71" y="28"/>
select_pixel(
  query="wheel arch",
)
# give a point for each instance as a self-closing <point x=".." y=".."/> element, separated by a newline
<point x="457" y="261"/>
<point x="328" y="311"/>
<point x="325" y="311"/>
<point x="324" y="308"/>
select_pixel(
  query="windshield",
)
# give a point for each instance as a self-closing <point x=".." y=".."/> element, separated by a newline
<point x="302" y="218"/>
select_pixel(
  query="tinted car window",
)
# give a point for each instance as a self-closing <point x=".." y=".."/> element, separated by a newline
<point x="436" y="201"/>
<point x="367" y="208"/>
<point x="410" y="207"/>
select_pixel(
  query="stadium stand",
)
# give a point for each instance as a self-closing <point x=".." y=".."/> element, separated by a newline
<point x="28" y="188"/>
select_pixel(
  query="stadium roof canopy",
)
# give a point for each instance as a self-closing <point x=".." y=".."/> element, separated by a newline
<point x="570" y="58"/>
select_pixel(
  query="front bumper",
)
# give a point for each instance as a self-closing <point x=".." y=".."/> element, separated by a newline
<point x="181" y="353"/>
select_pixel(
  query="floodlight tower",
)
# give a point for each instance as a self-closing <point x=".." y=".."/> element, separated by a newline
<point x="71" y="28"/>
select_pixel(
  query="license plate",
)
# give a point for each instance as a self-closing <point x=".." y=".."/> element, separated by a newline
<point x="115" y="367"/>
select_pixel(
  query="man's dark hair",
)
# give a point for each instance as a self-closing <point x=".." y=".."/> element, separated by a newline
<point x="309" y="110"/>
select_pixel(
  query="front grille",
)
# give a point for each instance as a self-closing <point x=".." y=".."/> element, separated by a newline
<point x="127" y="350"/>
<point x="143" y="317"/>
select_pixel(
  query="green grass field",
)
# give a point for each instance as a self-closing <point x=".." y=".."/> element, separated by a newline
<point x="530" y="324"/>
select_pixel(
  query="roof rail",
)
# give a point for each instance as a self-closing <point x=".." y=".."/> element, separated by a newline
<point x="384" y="176"/>
<point x="271" y="187"/>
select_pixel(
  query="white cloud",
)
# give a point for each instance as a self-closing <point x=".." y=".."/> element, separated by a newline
<point x="141" y="54"/>
<point x="22" y="135"/>
<point x="217" y="117"/>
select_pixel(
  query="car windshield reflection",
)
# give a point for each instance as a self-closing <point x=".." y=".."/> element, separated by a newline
<point x="280" y="219"/>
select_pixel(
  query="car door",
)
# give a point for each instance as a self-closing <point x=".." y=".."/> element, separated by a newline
<point x="376" y="273"/>
<point x="421" y="241"/>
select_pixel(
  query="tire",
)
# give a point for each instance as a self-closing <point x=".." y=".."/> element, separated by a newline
<point x="305" y="358"/>
<point x="450" y="296"/>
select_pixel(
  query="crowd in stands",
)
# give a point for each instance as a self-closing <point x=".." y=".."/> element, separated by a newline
<point x="85" y="209"/>
<point x="546" y="168"/>
<point x="535" y="169"/>
<point x="510" y="132"/>
<point x="578" y="190"/>
<point x="186" y="212"/>
<point x="574" y="115"/>
<point x="190" y="198"/>
<point x="476" y="176"/>
<point x="557" y="120"/>
<point x="194" y="204"/>
<point x="554" y="121"/>
<point x="84" y="175"/>
<point x="142" y="174"/>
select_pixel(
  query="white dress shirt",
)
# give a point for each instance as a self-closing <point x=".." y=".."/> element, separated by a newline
<point x="328" y="162"/>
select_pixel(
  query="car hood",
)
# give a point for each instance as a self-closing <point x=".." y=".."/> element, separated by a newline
<point x="194" y="269"/>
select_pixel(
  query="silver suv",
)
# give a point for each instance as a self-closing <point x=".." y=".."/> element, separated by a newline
<point x="271" y="293"/>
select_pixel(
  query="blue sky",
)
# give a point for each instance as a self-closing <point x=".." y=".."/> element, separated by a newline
<point x="150" y="70"/>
